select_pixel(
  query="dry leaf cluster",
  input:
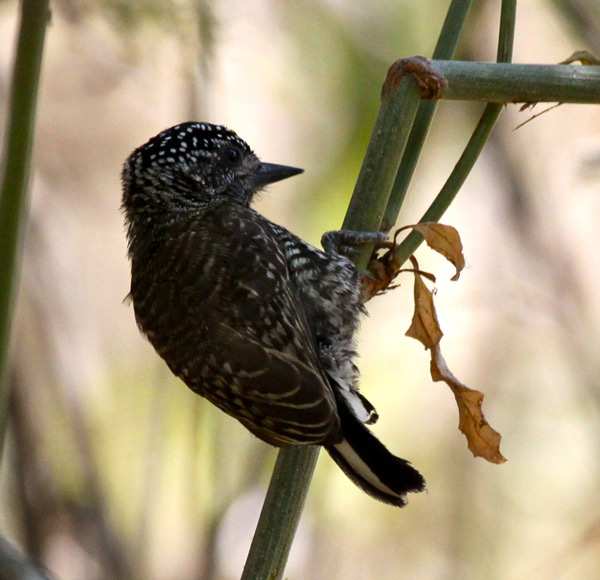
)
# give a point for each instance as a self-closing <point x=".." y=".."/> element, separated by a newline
<point x="482" y="439"/>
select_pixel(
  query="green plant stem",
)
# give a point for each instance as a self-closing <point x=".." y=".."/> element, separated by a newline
<point x="474" y="146"/>
<point x="519" y="83"/>
<point x="506" y="35"/>
<point x="280" y="513"/>
<point x="295" y="465"/>
<point x="14" y="175"/>
<point x="446" y="45"/>
<point x="380" y="165"/>
<point x="453" y="184"/>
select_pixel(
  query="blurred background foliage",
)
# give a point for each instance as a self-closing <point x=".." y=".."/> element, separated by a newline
<point x="116" y="471"/>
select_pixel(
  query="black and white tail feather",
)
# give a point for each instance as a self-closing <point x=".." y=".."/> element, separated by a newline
<point x="367" y="462"/>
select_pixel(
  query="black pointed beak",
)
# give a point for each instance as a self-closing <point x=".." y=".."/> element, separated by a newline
<point x="270" y="173"/>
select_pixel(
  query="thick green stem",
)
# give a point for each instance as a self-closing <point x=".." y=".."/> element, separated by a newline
<point x="380" y="165"/>
<point x="14" y="175"/>
<point x="444" y="49"/>
<point x="280" y="513"/>
<point x="519" y="83"/>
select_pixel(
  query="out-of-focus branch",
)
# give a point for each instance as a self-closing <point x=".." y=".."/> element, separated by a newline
<point x="35" y="489"/>
<point x="584" y="18"/>
<point x="14" y="179"/>
<point x="13" y="566"/>
<point x="88" y="514"/>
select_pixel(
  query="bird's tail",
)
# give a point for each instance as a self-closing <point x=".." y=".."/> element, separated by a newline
<point x="366" y="461"/>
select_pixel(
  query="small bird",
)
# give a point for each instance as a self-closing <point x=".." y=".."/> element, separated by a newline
<point x="247" y="314"/>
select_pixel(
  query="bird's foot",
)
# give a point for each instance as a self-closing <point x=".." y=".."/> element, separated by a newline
<point x="347" y="242"/>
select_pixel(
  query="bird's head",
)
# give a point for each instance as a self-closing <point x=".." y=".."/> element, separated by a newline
<point x="192" y="164"/>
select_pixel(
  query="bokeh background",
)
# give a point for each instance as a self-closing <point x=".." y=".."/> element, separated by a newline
<point x="116" y="471"/>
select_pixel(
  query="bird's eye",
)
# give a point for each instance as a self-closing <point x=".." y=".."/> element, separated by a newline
<point x="232" y="155"/>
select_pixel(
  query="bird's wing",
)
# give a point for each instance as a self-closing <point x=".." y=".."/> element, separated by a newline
<point x="274" y="394"/>
<point x="234" y="329"/>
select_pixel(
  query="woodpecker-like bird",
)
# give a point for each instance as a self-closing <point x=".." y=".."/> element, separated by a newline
<point x="243" y="311"/>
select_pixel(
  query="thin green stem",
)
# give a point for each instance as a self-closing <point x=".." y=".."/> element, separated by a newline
<point x="14" y="175"/>
<point x="446" y="45"/>
<point x="452" y="28"/>
<point x="474" y="146"/>
<point x="506" y="35"/>
<point x="453" y="183"/>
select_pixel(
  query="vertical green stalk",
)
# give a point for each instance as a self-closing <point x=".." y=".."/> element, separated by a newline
<point x="14" y="175"/>
<point x="280" y="513"/>
<point x="380" y="165"/>
<point x="474" y="146"/>
<point x="295" y="465"/>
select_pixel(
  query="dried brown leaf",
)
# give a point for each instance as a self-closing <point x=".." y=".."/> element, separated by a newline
<point x="483" y="441"/>
<point x="585" y="57"/>
<point x="445" y="240"/>
<point x="424" y="326"/>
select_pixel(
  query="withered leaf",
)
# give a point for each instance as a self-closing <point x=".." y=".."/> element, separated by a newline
<point x="585" y="57"/>
<point x="424" y="326"/>
<point x="445" y="240"/>
<point x="483" y="441"/>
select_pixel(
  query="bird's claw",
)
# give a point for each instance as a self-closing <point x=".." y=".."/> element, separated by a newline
<point x="348" y="242"/>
